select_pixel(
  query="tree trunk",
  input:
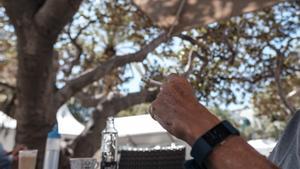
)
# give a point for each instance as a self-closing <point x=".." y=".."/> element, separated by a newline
<point x="88" y="144"/>
<point x="35" y="85"/>
<point x="92" y="141"/>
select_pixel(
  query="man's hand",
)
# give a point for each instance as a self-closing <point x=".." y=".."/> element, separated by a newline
<point x="177" y="109"/>
<point x="15" y="151"/>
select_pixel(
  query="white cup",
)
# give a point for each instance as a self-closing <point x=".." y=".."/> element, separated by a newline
<point x="27" y="159"/>
<point x="84" y="163"/>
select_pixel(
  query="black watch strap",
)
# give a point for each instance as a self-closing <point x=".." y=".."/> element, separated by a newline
<point x="205" y="144"/>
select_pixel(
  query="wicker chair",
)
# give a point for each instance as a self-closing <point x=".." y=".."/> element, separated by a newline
<point x="166" y="158"/>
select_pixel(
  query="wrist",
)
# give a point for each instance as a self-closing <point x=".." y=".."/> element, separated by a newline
<point x="234" y="153"/>
<point x="207" y="143"/>
<point x="200" y="125"/>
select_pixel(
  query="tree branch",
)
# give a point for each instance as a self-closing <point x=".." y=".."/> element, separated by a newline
<point x="76" y="84"/>
<point x="90" y="101"/>
<point x="256" y="78"/>
<point x="79" y="50"/>
<point x="88" y="142"/>
<point x="55" y="14"/>
<point x="289" y="44"/>
<point x="8" y="86"/>
<point x="8" y="105"/>
<point x="16" y="8"/>
<point x="294" y="93"/>
<point x="188" y="69"/>
<point x="115" y="105"/>
<point x="188" y="38"/>
<point x="277" y="76"/>
<point x="192" y="40"/>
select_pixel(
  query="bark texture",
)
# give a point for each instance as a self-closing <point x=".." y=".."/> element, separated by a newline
<point x="36" y="34"/>
<point x="37" y="25"/>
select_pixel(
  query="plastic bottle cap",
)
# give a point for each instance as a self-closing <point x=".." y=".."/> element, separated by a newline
<point x="54" y="132"/>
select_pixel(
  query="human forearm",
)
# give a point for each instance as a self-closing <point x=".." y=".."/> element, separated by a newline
<point x="236" y="153"/>
<point x="179" y="112"/>
<point x="233" y="153"/>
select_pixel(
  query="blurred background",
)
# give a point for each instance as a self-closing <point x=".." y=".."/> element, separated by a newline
<point x="77" y="71"/>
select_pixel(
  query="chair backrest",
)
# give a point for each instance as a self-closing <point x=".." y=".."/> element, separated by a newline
<point x="167" y="158"/>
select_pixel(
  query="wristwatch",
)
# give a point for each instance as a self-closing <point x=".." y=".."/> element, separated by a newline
<point x="205" y="144"/>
